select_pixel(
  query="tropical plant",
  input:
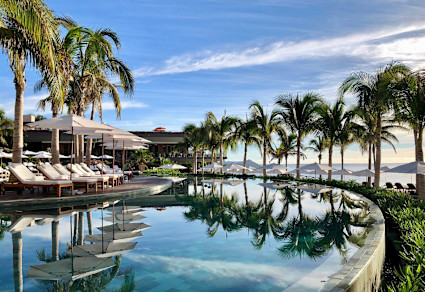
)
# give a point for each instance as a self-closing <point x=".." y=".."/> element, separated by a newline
<point x="287" y="147"/>
<point x="141" y="157"/>
<point x="6" y="128"/>
<point x="373" y="92"/>
<point x="246" y="133"/>
<point x="192" y="140"/>
<point x="299" y="115"/>
<point x="318" y="145"/>
<point x="29" y="33"/>
<point x="223" y="129"/>
<point x="409" y="95"/>
<point x="266" y="126"/>
<point x="331" y="121"/>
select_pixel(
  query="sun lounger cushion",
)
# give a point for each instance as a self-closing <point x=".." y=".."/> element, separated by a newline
<point x="25" y="176"/>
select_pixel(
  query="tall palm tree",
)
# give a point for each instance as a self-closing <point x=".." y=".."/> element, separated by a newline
<point x="29" y="33"/>
<point x="410" y="110"/>
<point x="267" y="125"/>
<point x="299" y="114"/>
<point x="373" y="91"/>
<point x="6" y="128"/>
<point x="331" y="120"/>
<point x="246" y="133"/>
<point x="287" y="147"/>
<point x="194" y="140"/>
<point x="223" y="129"/>
<point x="319" y="145"/>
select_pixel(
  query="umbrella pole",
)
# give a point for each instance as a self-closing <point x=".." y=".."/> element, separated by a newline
<point x="113" y="155"/>
<point x="113" y="221"/>
<point x="103" y="154"/>
<point x="123" y="155"/>
<point x="72" y="250"/>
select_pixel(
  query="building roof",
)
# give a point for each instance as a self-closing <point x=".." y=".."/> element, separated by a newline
<point x="161" y="137"/>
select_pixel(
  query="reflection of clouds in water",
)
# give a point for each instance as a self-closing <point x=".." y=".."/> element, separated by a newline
<point x="217" y="269"/>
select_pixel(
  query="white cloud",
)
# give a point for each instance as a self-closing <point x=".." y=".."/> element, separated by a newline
<point x="400" y="43"/>
<point x="109" y="105"/>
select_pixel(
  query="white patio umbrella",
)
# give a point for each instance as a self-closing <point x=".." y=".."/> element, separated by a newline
<point x="363" y="172"/>
<point x="117" y="236"/>
<point x="415" y="167"/>
<point x="61" y="156"/>
<point x="172" y="166"/>
<point x="277" y="171"/>
<point x="131" y="227"/>
<point x="273" y="166"/>
<point x="45" y="155"/>
<point x="385" y="168"/>
<point x="29" y="153"/>
<point x="70" y="122"/>
<point x="233" y="167"/>
<point x="274" y="185"/>
<point x="212" y="167"/>
<point x="315" y="189"/>
<point x="212" y="182"/>
<point x="120" y="218"/>
<point x="105" y="250"/>
<point x="105" y="156"/>
<point x="259" y="171"/>
<point x="342" y="172"/>
<point x="233" y="182"/>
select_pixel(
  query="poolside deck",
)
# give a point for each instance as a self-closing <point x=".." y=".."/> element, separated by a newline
<point x="138" y="186"/>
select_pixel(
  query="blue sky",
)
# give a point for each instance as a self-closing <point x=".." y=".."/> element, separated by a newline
<point x="190" y="57"/>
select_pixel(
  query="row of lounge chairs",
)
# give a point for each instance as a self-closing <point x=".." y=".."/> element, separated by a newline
<point x="399" y="187"/>
<point x="59" y="177"/>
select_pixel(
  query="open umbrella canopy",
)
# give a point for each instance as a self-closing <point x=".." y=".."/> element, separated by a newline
<point x="29" y="153"/>
<point x="259" y="171"/>
<point x="342" y="172"/>
<point x="130" y="227"/>
<point x="273" y="166"/>
<point x="70" y="269"/>
<point x="212" y="182"/>
<point x="415" y="167"/>
<point x="274" y="185"/>
<point x="385" y="168"/>
<point x="69" y="122"/>
<point x="117" y="236"/>
<point x="232" y="182"/>
<point x="212" y="166"/>
<point x="43" y="156"/>
<point x="5" y="154"/>
<point x="316" y="167"/>
<point x="233" y="167"/>
<point x="364" y="172"/>
<point x="277" y="171"/>
<point x="172" y="166"/>
<point x="64" y="156"/>
<point x="106" y="156"/>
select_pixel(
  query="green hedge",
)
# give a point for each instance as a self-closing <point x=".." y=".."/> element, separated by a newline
<point x="162" y="172"/>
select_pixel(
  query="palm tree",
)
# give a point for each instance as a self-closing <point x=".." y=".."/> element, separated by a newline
<point x="331" y="120"/>
<point x="193" y="140"/>
<point x="223" y="130"/>
<point x="410" y="109"/>
<point x="287" y="147"/>
<point x="246" y="133"/>
<point x="299" y="114"/>
<point x="29" y="33"/>
<point x="373" y="92"/>
<point x="319" y="145"/>
<point x="141" y="157"/>
<point x="6" y="128"/>
<point x="267" y="125"/>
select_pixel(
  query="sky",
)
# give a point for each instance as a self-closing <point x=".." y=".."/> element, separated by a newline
<point x="190" y="57"/>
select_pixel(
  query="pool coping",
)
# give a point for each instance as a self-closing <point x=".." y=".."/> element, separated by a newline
<point x="52" y="202"/>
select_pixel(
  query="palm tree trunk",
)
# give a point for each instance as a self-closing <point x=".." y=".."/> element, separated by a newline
<point x="286" y="162"/>
<point x="264" y="157"/>
<point x="244" y="157"/>
<point x="320" y="162"/>
<point x="80" y="228"/>
<point x="246" y="194"/>
<point x="330" y="160"/>
<point x="378" y="151"/>
<point x="18" y="124"/>
<point x="17" y="261"/>
<point x="81" y="141"/>
<point x="419" y="153"/>
<point x="55" y="136"/>
<point x="369" y="165"/>
<point x="55" y="240"/>
<point x="221" y="155"/>
<point x="195" y="161"/>
<point x="342" y="161"/>
<point x="90" y="141"/>
<point x="298" y="154"/>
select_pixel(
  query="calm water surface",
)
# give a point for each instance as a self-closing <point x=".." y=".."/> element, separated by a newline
<point x="221" y="237"/>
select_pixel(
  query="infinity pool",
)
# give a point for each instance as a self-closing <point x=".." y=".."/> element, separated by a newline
<point x="207" y="236"/>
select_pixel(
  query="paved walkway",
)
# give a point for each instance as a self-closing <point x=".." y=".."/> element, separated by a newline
<point x="138" y="186"/>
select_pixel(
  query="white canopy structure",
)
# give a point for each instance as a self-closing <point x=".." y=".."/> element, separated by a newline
<point x="125" y="218"/>
<point x="232" y="182"/>
<point x="99" y="250"/>
<point x="105" y="156"/>
<point x="70" y="269"/>
<point x="364" y="172"/>
<point x="29" y="153"/>
<point x="213" y="166"/>
<point x="314" y="189"/>
<point x="273" y="166"/>
<point x="277" y="171"/>
<point x="212" y="182"/>
<point x="342" y="172"/>
<point x="43" y="156"/>
<point x="274" y="185"/>
<point x="172" y="166"/>
<point x="120" y="236"/>
<point x="233" y="167"/>
<point x="129" y="227"/>
<point x="385" y="168"/>
<point x="415" y="167"/>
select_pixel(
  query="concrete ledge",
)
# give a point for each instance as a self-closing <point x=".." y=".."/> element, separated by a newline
<point x="363" y="270"/>
<point x="86" y="199"/>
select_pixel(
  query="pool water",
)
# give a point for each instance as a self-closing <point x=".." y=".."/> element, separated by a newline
<point x="216" y="237"/>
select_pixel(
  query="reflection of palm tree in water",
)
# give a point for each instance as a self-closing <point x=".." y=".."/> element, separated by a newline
<point x="17" y="261"/>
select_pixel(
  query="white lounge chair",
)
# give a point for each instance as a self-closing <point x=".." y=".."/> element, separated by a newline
<point x="62" y="170"/>
<point x="51" y="173"/>
<point x="28" y="179"/>
<point x="112" y="177"/>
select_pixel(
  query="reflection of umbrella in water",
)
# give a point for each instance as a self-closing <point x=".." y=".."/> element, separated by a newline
<point x="131" y="227"/>
<point x="274" y="186"/>
<point x="172" y="166"/>
<point x="110" y="249"/>
<point x="117" y="236"/>
<point x="212" y="182"/>
<point x="232" y="182"/>
<point x="314" y="189"/>
<point x="124" y="218"/>
<point x="70" y="269"/>
<point x="175" y="179"/>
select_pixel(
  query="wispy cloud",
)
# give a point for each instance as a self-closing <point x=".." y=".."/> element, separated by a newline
<point x="109" y="105"/>
<point x="400" y="43"/>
